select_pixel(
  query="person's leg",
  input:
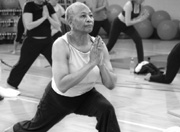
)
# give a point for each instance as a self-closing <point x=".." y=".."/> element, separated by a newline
<point x="49" y="112"/>
<point x="106" y="26"/>
<point x="116" y="29"/>
<point x="173" y="65"/>
<point x="29" y="52"/>
<point x="1" y="97"/>
<point x="131" y="32"/>
<point x="96" y="28"/>
<point x="47" y="49"/>
<point x="96" y="105"/>
<point x="57" y="35"/>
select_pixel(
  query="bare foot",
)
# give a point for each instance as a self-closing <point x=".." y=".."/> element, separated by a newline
<point x="147" y="77"/>
<point x="10" y="129"/>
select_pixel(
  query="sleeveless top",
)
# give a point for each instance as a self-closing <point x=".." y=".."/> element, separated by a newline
<point x="133" y="14"/>
<point x="77" y="60"/>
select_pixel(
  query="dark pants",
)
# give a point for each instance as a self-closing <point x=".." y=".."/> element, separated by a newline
<point x="20" y="30"/>
<point x="173" y="65"/>
<point x="118" y="27"/>
<point x="30" y="50"/>
<point x="57" y="35"/>
<point x="54" y="107"/>
<point x="105" y="24"/>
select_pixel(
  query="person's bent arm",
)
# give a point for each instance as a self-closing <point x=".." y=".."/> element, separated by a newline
<point x="63" y="78"/>
<point x="105" y="4"/>
<point x="54" y="21"/>
<point x="29" y="23"/>
<point x="108" y="76"/>
<point x="128" y="21"/>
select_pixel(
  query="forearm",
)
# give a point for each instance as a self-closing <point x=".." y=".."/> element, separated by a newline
<point x="54" y="23"/>
<point x="108" y="77"/>
<point x="73" y="79"/>
<point x="35" y="24"/>
<point x="100" y="8"/>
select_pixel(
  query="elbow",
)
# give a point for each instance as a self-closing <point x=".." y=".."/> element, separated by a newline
<point x="128" y="24"/>
<point x="62" y="88"/>
<point x="28" y="27"/>
<point x="111" y="85"/>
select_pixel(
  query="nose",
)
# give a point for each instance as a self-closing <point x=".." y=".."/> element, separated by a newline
<point x="90" y="19"/>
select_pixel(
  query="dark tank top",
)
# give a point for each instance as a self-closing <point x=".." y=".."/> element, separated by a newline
<point x="133" y="15"/>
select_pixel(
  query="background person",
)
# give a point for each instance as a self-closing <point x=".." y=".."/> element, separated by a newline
<point x="172" y="68"/>
<point x="125" y="21"/>
<point x="100" y="10"/>
<point x="38" y="19"/>
<point x="79" y="60"/>
<point x="57" y="32"/>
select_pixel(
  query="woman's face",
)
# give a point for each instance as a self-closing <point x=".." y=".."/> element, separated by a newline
<point x="83" y="19"/>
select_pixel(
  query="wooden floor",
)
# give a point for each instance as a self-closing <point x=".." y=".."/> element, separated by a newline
<point x="140" y="106"/>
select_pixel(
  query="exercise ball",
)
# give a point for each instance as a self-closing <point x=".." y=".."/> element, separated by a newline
<point x="167" y="30"/>
<point x="144" y="28"/>
<point x="10" y="4"/>
<point x="113" y="11"/>
<point x="149" y="9"/>
<point x="159" y="16"/>
<point x="177" y="24"/>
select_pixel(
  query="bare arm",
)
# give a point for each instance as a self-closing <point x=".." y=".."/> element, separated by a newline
<point x="63" y="78"/>
<point x="108" y="76"/>
<point x="29" y="23"/>
<point x="53" y="20"/>
<point x="128" y="21"/>
<point x="102" y="7"/>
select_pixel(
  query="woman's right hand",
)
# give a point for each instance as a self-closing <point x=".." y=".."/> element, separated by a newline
<point x="45" y="12"/>
<point x="144" y="15"/>
<point x="96" y="52"/>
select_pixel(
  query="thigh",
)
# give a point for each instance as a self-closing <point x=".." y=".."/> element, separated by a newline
<point x="106" y="26"/>
<point x="47" y="49"/>
<point x="29" y="52"/>
<point x="94" y="104"/>
<point x="47" y="115"/>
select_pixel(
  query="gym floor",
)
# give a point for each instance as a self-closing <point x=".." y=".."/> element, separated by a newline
<point x="140" y="106"/>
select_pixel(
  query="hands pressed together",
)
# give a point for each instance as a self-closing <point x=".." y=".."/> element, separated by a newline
<point x="45" y="12"/>
<point x="96" y="55"/>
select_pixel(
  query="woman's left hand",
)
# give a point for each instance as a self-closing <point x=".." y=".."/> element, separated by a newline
<point x="45" y="11"/>
<point x="100" y="47"/>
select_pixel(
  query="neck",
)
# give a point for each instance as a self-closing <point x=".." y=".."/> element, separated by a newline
<point x="78" y="38"/>
<point x="37" y="2"/>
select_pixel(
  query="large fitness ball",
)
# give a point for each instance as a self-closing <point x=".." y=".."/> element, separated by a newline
<point x="144" y="28"/>
<point x="159" y="16"/>
<point x="10" y="4"/>
<point x="114" y="11"/>
<point x="149" y="9"/>
<point x="167" y="30"/>
<point x="177" y="24"/>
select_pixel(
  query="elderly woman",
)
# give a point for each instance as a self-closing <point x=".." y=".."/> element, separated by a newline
<point x="79" y="61"/>
<point x="125" y="22"/>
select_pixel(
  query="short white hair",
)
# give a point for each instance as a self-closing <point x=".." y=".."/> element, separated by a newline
<point x="69" y="13"/>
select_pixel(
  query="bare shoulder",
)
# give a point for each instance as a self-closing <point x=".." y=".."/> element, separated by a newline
<point x="60" y="45"/>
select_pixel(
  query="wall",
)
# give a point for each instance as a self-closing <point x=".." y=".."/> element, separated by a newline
<point x="171" y="6"/>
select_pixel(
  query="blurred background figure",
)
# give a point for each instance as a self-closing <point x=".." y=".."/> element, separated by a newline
<point x="38" y="17"/>
<point x="125" y="22"/>
<point x="100" y="14"/>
